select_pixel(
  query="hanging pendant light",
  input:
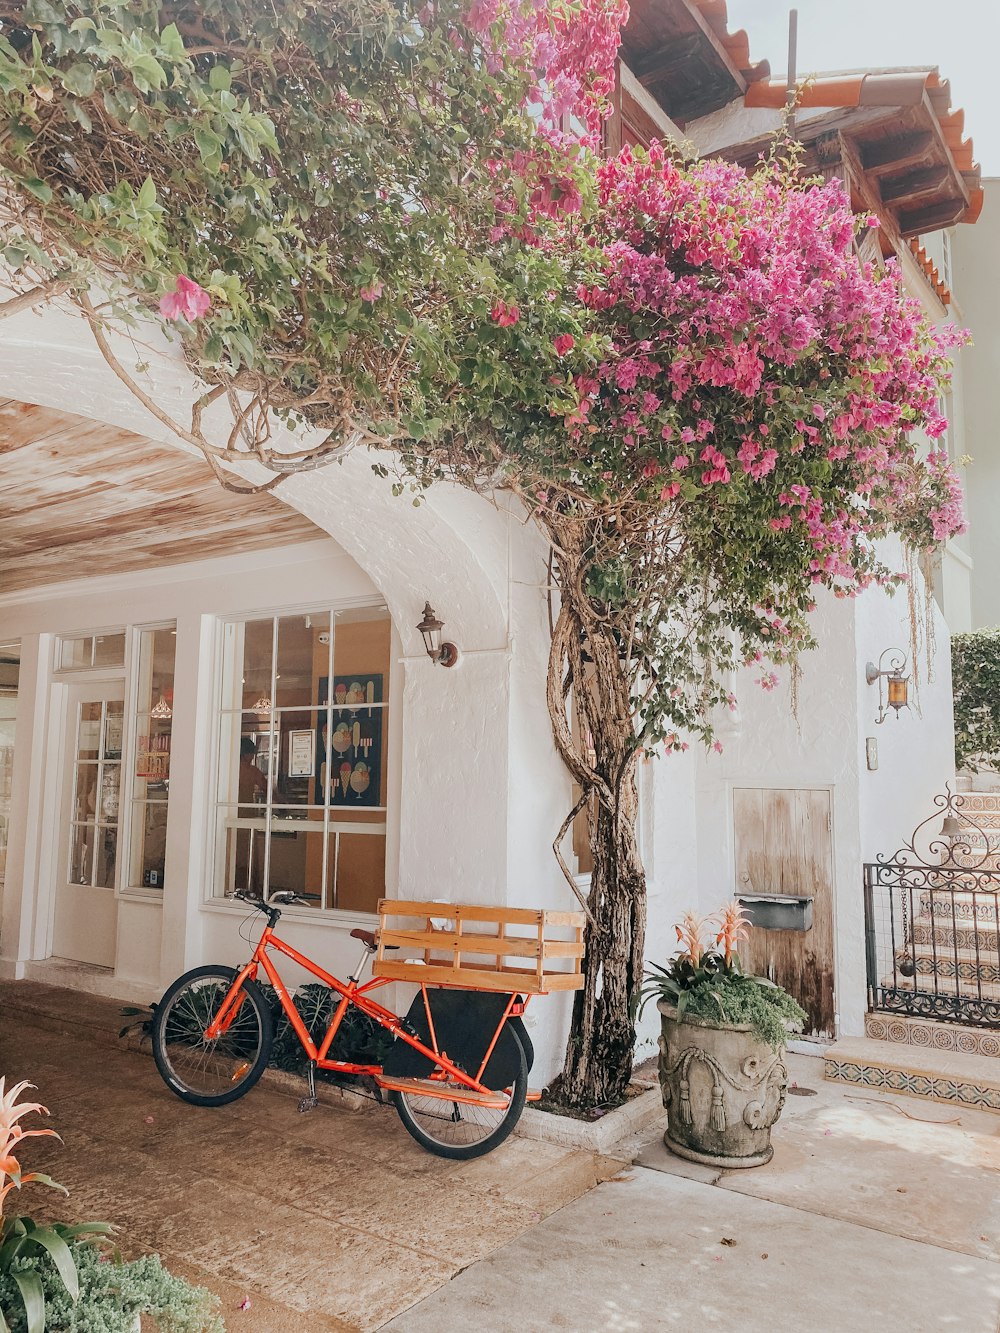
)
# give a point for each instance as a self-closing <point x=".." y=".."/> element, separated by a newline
<point x="161" y="710"/>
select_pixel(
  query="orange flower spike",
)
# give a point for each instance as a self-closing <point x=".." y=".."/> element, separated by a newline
<point x="690" y="934"/>
<point x="734" y="927"/>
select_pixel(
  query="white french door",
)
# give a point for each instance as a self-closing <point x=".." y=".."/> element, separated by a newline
<point x="87" y="865"/>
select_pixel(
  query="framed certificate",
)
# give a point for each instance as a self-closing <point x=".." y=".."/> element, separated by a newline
<point x="300" y="754"/>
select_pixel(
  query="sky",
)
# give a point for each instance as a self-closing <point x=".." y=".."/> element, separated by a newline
<point x="961" y="37"/>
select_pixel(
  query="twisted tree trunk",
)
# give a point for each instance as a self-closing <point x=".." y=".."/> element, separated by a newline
<point x="588" y="674"/>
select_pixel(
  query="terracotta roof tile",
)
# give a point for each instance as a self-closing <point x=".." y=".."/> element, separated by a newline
<point x="737" y="43"/>
<point x="930" y="271"/>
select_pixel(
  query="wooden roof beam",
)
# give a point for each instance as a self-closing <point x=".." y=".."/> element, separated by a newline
<point x="915" y="184"/>
<point x="889" y="154"/>
<point x="666" y="59"/>
<point x="946" y="214"/>
<point x="723" y="55"/>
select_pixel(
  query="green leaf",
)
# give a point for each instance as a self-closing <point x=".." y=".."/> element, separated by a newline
<point x="147" y="193"/>
<point x="39" y="189"/>
<point x="61" y="1257"/>
<point x="30" y="1286"/>
<point x="171" y="42"/>
<point x="220" y="79"/>
<point x="148" y="73"/>
<point x="80" y="79"/>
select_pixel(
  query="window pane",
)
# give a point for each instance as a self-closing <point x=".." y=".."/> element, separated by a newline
<point x="302" y="658"/>
<point x="85" y="794"/>
<point x="88" y="740"/>
<point x="109" y="650"/>
<point x="157" y="649"/>
<point x="298" y="756"/>
<point x="107" y="852"/>
<point x="360" y="867"/>
<point x="81" y="854"/>
<point x="111" y="781"/>
<point x="149" y="841"/>
<point x="152" y="758"/>
<point x="75" y="654"/>
<point x="151" y="777"/>
<point x="258" y="643"/>
<point x="10" y="664"/>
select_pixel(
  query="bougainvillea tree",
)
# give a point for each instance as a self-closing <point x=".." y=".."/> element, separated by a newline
<point x="371" y="220"/>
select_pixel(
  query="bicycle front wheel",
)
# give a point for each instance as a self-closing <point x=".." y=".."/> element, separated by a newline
<point x="460" y="1129"/>
<point x="211" y="1072"/>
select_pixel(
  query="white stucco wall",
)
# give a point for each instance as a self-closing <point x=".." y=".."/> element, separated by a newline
<point x="976" y="270"/>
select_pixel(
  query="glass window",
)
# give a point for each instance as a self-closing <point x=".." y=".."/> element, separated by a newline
<point x="151" y="779"/>
<point x="303" y="752"/>
<point x="10" y="664"/>
<point x="91" y="650"/>
<point x="96" y="789"/>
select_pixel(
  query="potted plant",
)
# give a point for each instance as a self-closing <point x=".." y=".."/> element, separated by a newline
<point x="722" y="1072"/>
<point x="65" y="1278"/>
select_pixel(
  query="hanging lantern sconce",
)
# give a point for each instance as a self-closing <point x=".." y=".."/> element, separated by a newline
<point x="893" y="683"/>
<point x="443" y="653"/>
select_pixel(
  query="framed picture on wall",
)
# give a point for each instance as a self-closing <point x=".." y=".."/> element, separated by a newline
<point x="300" y="754"/>
<point x="355" y="777"/>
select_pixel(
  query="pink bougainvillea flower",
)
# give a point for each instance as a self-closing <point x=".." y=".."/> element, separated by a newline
<point x="189" y="301"/>
<point x="504" y="314"/>
<point x="563" y="343"/>
<point x="372" y="292"/>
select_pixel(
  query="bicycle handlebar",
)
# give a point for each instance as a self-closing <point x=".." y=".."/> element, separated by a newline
<point x="269" y="906"/>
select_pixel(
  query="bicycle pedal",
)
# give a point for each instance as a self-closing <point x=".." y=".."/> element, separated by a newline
<point x="308" y="1104"/>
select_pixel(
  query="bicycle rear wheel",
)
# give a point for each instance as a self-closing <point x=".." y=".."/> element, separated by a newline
<point x="463" y="1130"/>
<point x="211" y="1072"/>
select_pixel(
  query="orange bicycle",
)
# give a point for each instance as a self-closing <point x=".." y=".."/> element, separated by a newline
<point x="457" y="1070"/>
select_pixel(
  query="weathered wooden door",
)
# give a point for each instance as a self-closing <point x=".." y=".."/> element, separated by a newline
<point x="784" y="844"/>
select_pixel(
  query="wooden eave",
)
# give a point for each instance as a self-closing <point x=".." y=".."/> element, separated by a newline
<point x="684" y="54"/>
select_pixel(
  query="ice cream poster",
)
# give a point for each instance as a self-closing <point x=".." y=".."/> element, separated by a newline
<point x="355" y="775"/>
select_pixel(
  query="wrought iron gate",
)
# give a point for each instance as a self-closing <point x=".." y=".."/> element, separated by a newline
<point x="931" y="920"/>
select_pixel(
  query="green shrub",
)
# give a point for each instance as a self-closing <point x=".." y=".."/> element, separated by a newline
<point x="111" y="1295"/>
<point x="975" y="670"/>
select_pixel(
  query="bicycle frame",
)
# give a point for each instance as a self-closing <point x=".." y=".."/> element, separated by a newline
<point x="352" y="992"/>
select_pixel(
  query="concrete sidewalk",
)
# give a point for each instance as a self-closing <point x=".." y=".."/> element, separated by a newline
<point x="877" y="1213"/>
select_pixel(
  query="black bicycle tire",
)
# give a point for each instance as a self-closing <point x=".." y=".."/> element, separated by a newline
<point x="254" y="993"/>
<point x="465" y="1152"/>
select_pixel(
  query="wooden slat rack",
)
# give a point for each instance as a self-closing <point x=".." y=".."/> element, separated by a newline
<point x="457" y="944"/>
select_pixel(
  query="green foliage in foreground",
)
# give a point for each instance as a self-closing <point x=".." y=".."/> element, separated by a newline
<point x="975" y="674"/>
<point x="111" y="1295"/>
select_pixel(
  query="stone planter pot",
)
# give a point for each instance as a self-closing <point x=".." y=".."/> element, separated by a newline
<point x="722" y="1088"/>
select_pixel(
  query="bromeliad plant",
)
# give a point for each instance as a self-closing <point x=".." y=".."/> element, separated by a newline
<point x="702" y="981"/>
<point x="61" y="1277"/>
<point x="21" y="1238"/>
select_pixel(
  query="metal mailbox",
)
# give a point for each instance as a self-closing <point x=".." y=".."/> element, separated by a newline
<point x="777" y="911"/>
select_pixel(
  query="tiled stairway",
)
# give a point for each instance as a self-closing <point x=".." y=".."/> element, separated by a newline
<point x="955" y="945"/>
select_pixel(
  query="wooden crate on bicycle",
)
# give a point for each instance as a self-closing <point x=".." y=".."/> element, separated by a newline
<point x="479" y="948"/>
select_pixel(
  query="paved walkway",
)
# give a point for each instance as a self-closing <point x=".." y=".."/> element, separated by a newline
<point x="878" y="1213"/>
<point x="328" y="1222"/>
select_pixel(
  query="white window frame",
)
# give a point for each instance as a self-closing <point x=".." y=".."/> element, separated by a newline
<point x="215" y="850"/>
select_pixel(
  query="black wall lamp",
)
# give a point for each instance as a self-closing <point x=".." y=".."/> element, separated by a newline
<point x="893" y="684"/>
<point x="444" y="653"/>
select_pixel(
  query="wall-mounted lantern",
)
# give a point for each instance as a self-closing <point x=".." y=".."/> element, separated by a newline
<point x="444" y="653"/>
<point x="893" y="683"/>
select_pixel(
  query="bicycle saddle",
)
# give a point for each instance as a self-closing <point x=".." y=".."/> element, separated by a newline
<point x="367" y="938"/>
